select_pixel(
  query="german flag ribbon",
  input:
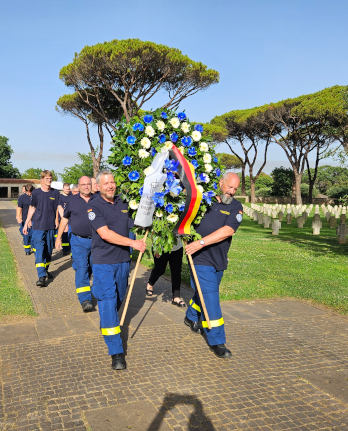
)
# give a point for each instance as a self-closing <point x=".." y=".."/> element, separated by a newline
<point x="186" y="173"/>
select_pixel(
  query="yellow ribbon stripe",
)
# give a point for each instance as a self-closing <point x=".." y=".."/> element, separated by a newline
<point x="195" y="306"/>
<point x="55" y="236"/>
<point x="83" y="289"/>
<point x="48" y="263"/>
<point x="34" y="249"/>
<point x="214" y="323"/>
<point x="110" y="331"/>
<point x="39" y="265"/>
<point x="65" y="244"/>
<point x="27" y="246"/>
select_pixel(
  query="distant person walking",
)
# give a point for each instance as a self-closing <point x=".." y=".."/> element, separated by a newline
<point x="74" y="189"/>
<point x="95" y="186"/>
<point x="23" y="205"/>
<point x="43" y="212"/>
<point x="63" y="200"/>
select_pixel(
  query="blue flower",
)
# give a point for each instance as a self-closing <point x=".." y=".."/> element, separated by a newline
<point x="138" y="126"/>
<point x="215" y="159"/>
<point x="174" y="137"/>
<point x="134" y="175"/>
<point x="194" y="163"/>
<point x="186" y="141"/>
<point x="215" y="186"/>
<point x="158" y="198"/>
<point x="167" y="164"/>
<point x="207" y="196"/>
<point x="141" y="191"/>
<point x="173" y="187"/>
<point x="181" y="116"/>
<point x="153" y="152"/>
<point x="199" y="128"/>
<point x="131" y="139"/>
<point x="148" y="118"/>
<point x="127" y="161"/>
<point x="162" y="138"/>
<point x="181" y="207"/>
<point x="217" y="172"/>
<point x="170" y="176"/>
<point x="204" y="178"/>
<point x="192" y="152"/>
<point x="164" y="115"/>
<point x="169" y="208"/>
<point x="174" y="165"/>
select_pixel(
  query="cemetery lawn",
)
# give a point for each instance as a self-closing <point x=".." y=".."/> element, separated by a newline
<point x="14" y="300"/>
<point x="294" y="264"/>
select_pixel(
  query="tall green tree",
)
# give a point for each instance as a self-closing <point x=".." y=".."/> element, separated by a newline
<point x="35" y="174"/>
<point x="133" y="71"/>
<point x="6" y="168"/>
<point x="229" y="161"/>
<point x="283" y="179"/>
<point x="327" y="177"/>
<point x="84" y="167"/>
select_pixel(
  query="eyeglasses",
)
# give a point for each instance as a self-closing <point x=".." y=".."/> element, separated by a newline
<point x="86" y="185"/>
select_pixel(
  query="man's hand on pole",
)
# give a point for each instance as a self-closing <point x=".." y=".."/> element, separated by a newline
<point x="193" y="247"/>
<point x="139" y="245"/>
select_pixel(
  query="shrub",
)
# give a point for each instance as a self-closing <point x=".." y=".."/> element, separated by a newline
<point x="337" y="192"/>
<point x="265" y="191"/>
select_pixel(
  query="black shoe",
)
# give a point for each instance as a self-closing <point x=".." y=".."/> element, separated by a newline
<point x="193" y="325"/>
<point x="87" y="306"/>
<point x="41" y="282"/>
<point x="27" y="253"/>
<point x="221" y="351"/>
<point x="118" y="362"/>
<point x="49" y="276"/>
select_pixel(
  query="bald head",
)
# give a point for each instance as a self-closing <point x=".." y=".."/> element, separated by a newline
<point x="85" y="186"/>
<point x="229" y="184"/>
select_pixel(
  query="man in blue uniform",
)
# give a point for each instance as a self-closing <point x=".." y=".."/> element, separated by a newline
<point x="23" y="204"/>
<point x="210" y="259"/>
<point x="43" y="212"/>
<point x="109" y="218"/>
<point x="81" y="240"/>
<point x="62" y="203"/>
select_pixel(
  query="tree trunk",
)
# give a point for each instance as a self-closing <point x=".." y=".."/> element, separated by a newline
<point x="312" y="180"/>
<point x="243" y="179"/>
<point x="252" y="189"/>
<point x="297" y="183"/>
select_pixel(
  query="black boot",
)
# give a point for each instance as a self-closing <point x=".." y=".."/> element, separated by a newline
<point x="118" y="362"/>
<point x="49" y="276"/>
<point x="221" y="351"/>
<point x="41" y="282"/>
<point x="27" y="253"/>
<point x="195" y="327"/>
<point x="87" y="306"/>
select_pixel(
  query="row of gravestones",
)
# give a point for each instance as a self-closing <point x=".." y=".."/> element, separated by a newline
<point x="264" y="214"/>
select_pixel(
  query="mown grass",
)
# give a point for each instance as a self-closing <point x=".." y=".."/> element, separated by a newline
<point x="13" y="299"/>
<point x="294" y="264"/>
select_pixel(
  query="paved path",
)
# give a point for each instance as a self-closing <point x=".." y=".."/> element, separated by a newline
<point x="289" y="369"/>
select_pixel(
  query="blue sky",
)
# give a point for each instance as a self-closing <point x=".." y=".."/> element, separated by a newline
<point x="264" y="50"/>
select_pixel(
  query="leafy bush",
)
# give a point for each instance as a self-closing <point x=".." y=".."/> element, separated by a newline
<point x="265" y="191"/>
<point x="305" y="191"/>
<point x="337" y="192"/>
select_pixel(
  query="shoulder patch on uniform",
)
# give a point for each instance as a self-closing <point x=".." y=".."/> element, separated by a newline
<point x="52" y="198"/>
<point x="124" y="211"/>
<point x="91" y="216"/>
<point x="224" y="212"/>
<point x="239" y="217"/>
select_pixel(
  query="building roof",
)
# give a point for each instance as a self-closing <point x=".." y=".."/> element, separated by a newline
<point x="18" y="181"/>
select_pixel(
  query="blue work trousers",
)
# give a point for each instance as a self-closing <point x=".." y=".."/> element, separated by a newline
<point x="209" y="280"/>
<point x="43" y="241"/>
<point x="109" y="288"/>
<point x="26" y="238"/>
<point x="82" y="264"/>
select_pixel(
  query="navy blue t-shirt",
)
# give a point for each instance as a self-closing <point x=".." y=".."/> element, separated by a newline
<point x="218" y="216"/>
<point x="63" y="201"/>
<point x="76" y="212"/>
<point x="24" y="203"/>
<point x="116" y="217"/>
<point x="46" y="204"/>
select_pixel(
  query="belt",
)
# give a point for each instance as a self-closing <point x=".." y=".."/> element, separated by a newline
<point x="84" y="237"/>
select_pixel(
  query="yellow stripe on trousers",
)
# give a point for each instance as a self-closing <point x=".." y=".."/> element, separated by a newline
<point x="39" y="265"/>
<point x="195" y="306"/>
<point x="110" y="331"/>
<point x="214" y="323"/>
<point x="83" y="289"/>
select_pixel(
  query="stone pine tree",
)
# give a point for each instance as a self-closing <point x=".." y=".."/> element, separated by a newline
<point x="133" y="71"/>
<point x="6" y="168"/>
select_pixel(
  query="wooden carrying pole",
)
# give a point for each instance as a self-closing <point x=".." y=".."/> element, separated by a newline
<point x="132" y="283"/>
<point x="198" y="287"/>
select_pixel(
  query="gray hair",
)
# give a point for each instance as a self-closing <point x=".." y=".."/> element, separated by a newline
<point x="103" y="172"/>
<point x="74" y="186"/>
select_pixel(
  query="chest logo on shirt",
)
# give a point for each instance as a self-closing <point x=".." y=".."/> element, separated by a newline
<point x="124" y="211"/>
<point x="239" y="217"/>
<point x="53" y="198"/>
<point x="225" y="212"/>
<point x="91" y="215"/>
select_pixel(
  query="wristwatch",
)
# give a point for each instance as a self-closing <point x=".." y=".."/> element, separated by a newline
<point x="202" y="242"/>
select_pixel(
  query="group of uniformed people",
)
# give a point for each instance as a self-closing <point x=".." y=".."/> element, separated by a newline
<point x="94" y="225"/>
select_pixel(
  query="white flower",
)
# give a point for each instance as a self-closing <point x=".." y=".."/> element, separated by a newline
<point x="172" y="218"/>
<point x="167" y="146"/>
<point x="160" y="125"/>
<point x="149" y="170"/>
<point x="143" y="153"/>
<point x="207" y="158"/>
<point x="196" y="136"/>
<point x="203" y="147"/>
<point x="208" y="168"/>
<point x="185" y="127"/>
<point x="145" y="142"/>
<point x="159" y="213"/>
<point x="175" y="122"/>
<point x="200" y="188"/>
<point x="181" y="149"/>
<point x="133" y="204"/>
<point x="149" y="130"/>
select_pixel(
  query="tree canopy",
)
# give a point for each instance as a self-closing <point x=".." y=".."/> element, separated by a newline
<point x="229" y="161"/>
<point x="35" y="174"/>
<point x="72" y="174"/>
<point x="133" y="71"/>
<point x="6" y="168"/>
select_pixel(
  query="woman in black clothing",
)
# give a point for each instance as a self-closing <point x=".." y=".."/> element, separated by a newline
<point x="175" y="262"/>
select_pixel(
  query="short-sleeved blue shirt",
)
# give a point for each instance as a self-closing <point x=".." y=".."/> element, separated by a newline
<point x="63" y="201"/>
<point x="116" y="217"/>
<point x="24" y="203"/>
<point x="76" y="212"/>
<point x="218" y="216"/>
<point x="46" y="204"/>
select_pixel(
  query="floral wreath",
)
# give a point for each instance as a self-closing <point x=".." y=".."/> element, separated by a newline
<point x="135" y="145"/>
